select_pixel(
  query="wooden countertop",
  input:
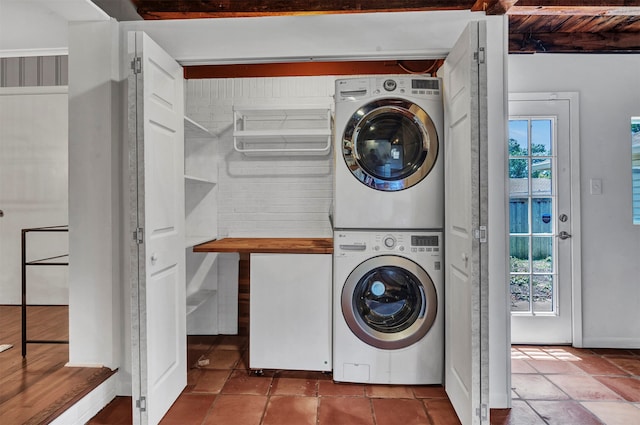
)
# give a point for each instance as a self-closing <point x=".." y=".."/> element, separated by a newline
<point x="268" y="245"/>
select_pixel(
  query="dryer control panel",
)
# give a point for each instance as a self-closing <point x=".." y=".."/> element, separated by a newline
<point x="351" y="89"/>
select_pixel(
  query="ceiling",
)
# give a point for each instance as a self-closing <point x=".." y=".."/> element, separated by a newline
<point x="545" y="26"/>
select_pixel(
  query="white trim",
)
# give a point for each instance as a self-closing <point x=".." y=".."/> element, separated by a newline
<point x="18" y="53"/>
<point x="31" y="90"/>
<point x="576" y="250"/>
<point x="618" y="342"/>
<point x="88" y="406"/>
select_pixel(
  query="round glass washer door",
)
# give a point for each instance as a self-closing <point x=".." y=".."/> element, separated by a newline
<point x="390" y="144"/>
<point x="389" y="302"/>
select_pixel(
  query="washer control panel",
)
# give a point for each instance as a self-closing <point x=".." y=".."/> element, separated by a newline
<point x="352" y="242"/>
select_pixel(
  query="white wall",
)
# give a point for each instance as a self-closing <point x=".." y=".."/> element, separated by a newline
<point x="265" y="196"/>
<point x="40" y="27"/>
<point x="95" y="196"/>
<point x="609" y="88"/>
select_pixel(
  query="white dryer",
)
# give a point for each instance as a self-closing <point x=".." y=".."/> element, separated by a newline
<point x="388" y="317"/>
<point x="388" y="147"/>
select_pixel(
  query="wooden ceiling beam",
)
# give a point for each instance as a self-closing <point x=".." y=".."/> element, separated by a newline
<point x="577" y="42"/>
<point x="493" y="7"/>
<point x="579" y="3"/>
<point x="298" y="69"/>
<point x="186" y="9"/>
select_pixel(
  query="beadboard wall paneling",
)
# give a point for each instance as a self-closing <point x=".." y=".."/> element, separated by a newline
<point x="265" y="196"/>
<point x="36" y="71"/>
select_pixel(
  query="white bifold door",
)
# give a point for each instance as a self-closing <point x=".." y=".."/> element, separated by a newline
<point x="156" y="128"/>
<point x="466" y="317"/>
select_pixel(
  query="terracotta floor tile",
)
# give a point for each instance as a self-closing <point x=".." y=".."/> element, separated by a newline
<point x="345" y="411"/>
<point x="521" y="366"/>
<point x="596" y="365"/>
<point x="237" y="410"/>
<point x="286" y="410"/>
<point x="614" y="413"/>
<point x="611" y="351"/>
<point x="294" y="386"/>
<point x="241" y="382"/>
<point x="188" y="409"/>
<point x="552" y="365"/>
<point x="441" y="412"/>
<point x="222" y="359"/>
<point x="429" y="391"/>
<point x="519" y="414"/>
<point x="564" y="412"/>
<point x="630" y="364"/>
<point x="389" y="411"/>
<point x="333" y="389"/>
<point x="231" y="342"/>
<point x="583" y="387"/>
<point x="211" y="381"/>
<point x="118" y="412"/>
<point x="389" y="391"/>
<point x="627" y="387"/>
<point x="535" y="387"/>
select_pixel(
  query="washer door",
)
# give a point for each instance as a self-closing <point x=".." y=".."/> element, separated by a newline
<point x="389" y="302"/>
<point x="390" y="144"/>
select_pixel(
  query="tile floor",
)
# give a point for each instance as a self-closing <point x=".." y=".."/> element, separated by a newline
<point x="551" y="385"/>
<point x="569" y="386"/>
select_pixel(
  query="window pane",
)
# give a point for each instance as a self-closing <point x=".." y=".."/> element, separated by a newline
<point x="519" y="215"/>
<point x="519" y="253"/>
<point x="541" y="215"/>
<point x="542" y="286"/>
<point x="541" y="177"/>
<point x="541" y="137"/>
<point x="520" y="293"/>
<point x="542" y="254"/>
<point x="635" y="167"/>
<point x="518" y="137"/>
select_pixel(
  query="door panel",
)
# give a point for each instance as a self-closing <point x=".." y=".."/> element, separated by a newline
<point x="466" y="327"/>
<point x="159" y="300"/>
<point x="540" y="176"/>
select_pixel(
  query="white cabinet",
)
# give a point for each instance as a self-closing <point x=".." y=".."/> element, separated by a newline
<point x="290" y="312"/>
<point x="277" y="130"/>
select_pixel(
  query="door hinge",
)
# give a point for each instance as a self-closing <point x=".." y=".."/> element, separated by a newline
<point x="481" y="234"/>
<point x="482" y="412"/>
<point x="479" y="55"/>
<point x="141" y="404"/>
<point x="136" y="65"/>
<point x="138" y="235"/>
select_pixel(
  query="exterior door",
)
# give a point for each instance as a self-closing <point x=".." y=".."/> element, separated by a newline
<point x="541" y="218"/>
<point x="466" y="324"/>
<point x="156" y="111"/>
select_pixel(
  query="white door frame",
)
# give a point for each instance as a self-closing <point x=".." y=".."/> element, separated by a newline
<point x="576" y="257"/>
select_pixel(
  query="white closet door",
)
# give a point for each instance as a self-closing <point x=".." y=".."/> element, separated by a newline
<point x="159" y="302"/>
<point x="466" y="326"/>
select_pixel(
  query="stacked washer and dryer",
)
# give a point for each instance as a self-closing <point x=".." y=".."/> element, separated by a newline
<point x="388" y="216"/>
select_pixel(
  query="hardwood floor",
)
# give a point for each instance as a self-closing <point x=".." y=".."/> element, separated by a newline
<point x="37" y="389"/>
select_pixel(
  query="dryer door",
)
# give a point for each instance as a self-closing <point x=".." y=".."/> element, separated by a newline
<point x="389" y="302"/>
<point x="390" y="144"/>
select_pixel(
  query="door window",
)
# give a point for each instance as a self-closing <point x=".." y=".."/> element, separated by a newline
<point x="532" y="206"/>
<point x="389" y="299"/>
<point x="390" y="144"/>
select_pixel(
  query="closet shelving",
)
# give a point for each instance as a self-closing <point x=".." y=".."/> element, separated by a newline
<point x="201" y="178"/>
<point x="282" y="130"/>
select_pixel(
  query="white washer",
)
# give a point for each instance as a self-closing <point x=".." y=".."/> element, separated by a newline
<point x="388" y="317"/>
<point x="388" y="147"/>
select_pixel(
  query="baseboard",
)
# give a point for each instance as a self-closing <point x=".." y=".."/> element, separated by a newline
<point x="85" y="409"/>
<point x="622" y="343"/>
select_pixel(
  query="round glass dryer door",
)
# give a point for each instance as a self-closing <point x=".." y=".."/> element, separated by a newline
<point x="390" y="144"/>
<point x="389" y="302"/>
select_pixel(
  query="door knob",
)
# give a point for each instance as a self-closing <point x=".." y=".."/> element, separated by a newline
<point x="564" y="235"/>
<point x="154" y="258"/>
<point x="1" y="213"/>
